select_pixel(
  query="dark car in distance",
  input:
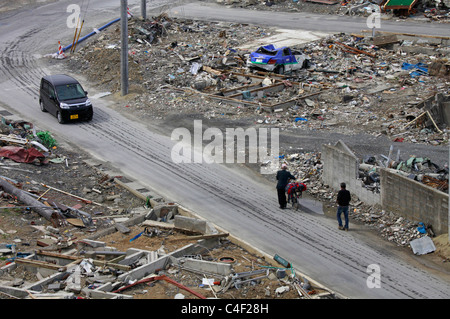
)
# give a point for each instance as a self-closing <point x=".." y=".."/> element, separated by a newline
<point x="64" y="97"/>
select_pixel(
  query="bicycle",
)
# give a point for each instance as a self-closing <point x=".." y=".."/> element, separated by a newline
<point x="295" y="191"/>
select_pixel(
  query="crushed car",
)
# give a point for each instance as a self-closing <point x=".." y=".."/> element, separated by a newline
<point x="278" y="60"/>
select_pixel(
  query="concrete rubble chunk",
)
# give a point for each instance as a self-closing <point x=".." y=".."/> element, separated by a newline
<point x="194" y="225"/>
<point x="209" y="267"/>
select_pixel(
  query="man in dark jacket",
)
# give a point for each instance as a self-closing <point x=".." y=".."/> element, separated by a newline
<point x="343" y="200"/>
<point x="283" y="177"/>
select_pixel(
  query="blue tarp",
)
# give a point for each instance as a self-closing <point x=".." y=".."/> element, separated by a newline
<point x="419" y="69"/>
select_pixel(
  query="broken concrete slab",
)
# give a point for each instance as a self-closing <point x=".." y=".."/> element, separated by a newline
<point x="194" y="225"/>
<point x="204" y="266"/>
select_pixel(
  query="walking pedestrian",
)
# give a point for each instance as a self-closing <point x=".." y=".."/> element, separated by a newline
<point x="343" y="201"/>
<point x="283" y="177"/>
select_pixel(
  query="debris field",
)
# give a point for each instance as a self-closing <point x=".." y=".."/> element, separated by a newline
<point x="69" y="230"/>
<point x="94" y="239"/>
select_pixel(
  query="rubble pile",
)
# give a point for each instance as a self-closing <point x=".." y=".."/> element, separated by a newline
<point x="307" y="167"/>
<point x="192" y="67"/>
<point x="390" y="226"/>
<point x="381" y="93"/>
<point x="420" y="169"/>
<point x="190" y="256"/>
<point x="174" y="55"/>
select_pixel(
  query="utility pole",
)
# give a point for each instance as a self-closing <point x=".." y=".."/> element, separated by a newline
<point x="124" y="40"/>
<point x="144" y="9"/>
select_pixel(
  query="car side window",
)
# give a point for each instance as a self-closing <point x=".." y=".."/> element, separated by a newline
<point x="44" y="87"/>
<point x="51" y="91"/>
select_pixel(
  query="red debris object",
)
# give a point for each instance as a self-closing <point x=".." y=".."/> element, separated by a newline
<point x="20" y="154"/>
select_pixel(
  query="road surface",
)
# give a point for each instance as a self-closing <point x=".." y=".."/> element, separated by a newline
<point x="231" y="197"/>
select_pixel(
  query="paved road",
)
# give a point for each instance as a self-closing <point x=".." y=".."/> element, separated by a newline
<point x="303" y="20"/>
<point x="233" y="198"/>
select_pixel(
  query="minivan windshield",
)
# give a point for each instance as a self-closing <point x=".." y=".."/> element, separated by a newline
<point x="70" y="91"/>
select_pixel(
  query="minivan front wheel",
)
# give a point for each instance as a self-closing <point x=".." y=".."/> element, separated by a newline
<point x="60" y="118"/>
<point x="41" y="104"/>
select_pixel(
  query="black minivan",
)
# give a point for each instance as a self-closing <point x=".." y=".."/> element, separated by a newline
<point x="64" y="97"/>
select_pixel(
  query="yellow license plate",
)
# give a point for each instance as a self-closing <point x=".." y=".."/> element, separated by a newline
<point x="74" y="117"/>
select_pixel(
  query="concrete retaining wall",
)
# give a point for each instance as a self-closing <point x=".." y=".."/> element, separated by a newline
<point x="404" y="196"/>
<point x="414" y="201"/>
<point x="341" y="165"/>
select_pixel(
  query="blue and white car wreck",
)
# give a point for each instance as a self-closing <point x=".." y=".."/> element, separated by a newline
<point x="278" y="60"/>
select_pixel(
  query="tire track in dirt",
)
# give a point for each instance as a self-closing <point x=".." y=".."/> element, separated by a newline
<point x="19" y="67"/>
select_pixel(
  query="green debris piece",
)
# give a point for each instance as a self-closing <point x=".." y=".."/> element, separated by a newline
<point x="46" y="139"/>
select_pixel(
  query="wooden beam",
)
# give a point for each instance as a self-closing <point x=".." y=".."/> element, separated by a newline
<point x="72" y="195"/>
<point x="39" y="263"/>
<point x="51" y="254"/>
<point x="410" y="34"/>
<point x="200" y="237"/>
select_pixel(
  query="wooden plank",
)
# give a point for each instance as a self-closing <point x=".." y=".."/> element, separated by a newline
<point x="200" y="237"/>
<point x="41" y="264"/>
<point x="154" y="223"/>
<point x="410" y="34"/>
<point x="72" y="195"/>
<point x="52" y="254"/>
<point x="434" y="123"/>
<point x="355" y="50"/>
<point x="100" y="263"/>
<point x="270" y="88"/>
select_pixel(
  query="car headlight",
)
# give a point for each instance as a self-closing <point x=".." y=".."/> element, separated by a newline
<point x="88" y="102"/>
<point x="64" y="105"/>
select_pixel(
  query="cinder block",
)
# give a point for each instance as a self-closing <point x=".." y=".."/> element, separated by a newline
<point x="190" y="224"/>
<point x="207" y="266"/>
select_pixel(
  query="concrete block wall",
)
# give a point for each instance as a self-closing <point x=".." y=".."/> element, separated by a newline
<point x="415" y="201"/>
<point x="341" y="165"/>
<point x="408" y="198"/>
